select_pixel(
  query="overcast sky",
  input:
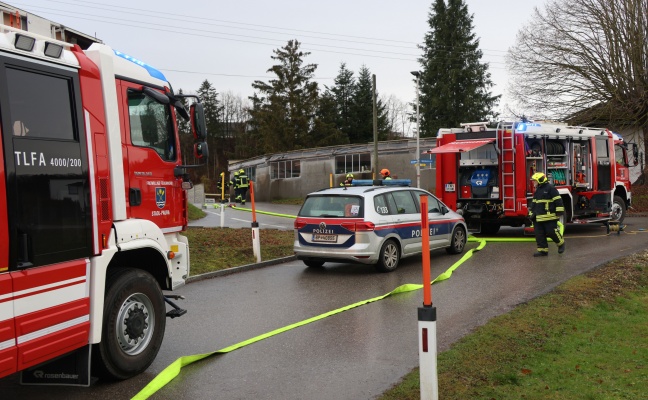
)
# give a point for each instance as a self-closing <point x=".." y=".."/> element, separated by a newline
<point x="230" y="42"/>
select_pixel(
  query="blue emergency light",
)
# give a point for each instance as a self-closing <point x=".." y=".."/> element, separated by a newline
<point x="381" y="182"/>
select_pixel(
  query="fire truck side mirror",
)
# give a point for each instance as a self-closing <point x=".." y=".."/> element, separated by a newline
<point x="635" y="154"/>
<point x="198" y="127"/>
<point x="201" y="150"/>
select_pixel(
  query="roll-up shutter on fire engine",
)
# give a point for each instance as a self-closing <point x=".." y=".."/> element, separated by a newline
<point x="460" y="146"/>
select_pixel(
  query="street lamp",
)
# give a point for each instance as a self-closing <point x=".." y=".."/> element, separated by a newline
<point x="417" y="74"/>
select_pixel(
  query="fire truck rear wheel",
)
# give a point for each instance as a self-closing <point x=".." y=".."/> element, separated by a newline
<point x="618" y="209"/>
<point x="133" y="324"/>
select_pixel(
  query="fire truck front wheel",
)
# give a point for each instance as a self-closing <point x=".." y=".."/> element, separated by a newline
<point x="618" y="209"/>
<point x="133" y="324"/>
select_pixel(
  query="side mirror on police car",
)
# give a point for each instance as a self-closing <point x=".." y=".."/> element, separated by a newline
<point x="201" y="150"/>
<point x="198" y="127"/>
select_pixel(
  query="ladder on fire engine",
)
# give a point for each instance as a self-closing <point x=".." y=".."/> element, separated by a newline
<point x="507" y="132"/>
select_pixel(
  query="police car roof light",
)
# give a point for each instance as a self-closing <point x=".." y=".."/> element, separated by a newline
<point x="382" y="182"/>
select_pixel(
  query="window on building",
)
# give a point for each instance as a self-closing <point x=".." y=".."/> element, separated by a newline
<point x="352" y="163"/>
<point x="285" y="169"/>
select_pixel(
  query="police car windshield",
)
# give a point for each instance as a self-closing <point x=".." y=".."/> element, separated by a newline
<point x="332" y="206"/>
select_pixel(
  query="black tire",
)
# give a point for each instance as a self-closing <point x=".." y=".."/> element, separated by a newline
<point x="134" y="321"/>
<point x="313" y="263"/>
<point x="389" y="256"/>
<point x="618" y="212"/>
<point x="457" y="241"/>
<point x="490" y="229"/>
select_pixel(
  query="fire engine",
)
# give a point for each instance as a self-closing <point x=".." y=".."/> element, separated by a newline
<point x="485" y="173"/>
<point x="93" y="202"/>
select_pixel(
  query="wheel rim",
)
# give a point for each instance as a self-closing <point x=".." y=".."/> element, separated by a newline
<point x="459" y="238"/>
<point x="390" y="256"/>
<point x="135" y="324"/>
<point x="616" y="211"/>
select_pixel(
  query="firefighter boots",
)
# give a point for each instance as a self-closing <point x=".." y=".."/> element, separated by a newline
<point x="561" y="248"/>
<point x="540" y="254"/>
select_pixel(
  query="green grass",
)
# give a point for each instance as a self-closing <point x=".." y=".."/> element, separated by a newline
<point x="195" y="212"/>
<point x="588" y="339"/>
<point x="214" y="249"/>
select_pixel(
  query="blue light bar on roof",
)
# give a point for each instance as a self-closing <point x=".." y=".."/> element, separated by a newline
<point x="382" y="182"/>
<point x="152" y="71"/>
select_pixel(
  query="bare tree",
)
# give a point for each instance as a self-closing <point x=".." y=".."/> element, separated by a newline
<point x="585" y="61"/>
<point x="397" y="117"/>
<point x="235" y="116"/>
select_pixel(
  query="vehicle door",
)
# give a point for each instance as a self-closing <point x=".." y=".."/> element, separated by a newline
<point x="47" y="219"/>
<point x="407" y="219"/>
<point x="439" y="222"/>
<point x="154" y="192"/>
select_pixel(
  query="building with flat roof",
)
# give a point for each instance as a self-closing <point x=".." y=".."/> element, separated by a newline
<point x="296" y="173"/>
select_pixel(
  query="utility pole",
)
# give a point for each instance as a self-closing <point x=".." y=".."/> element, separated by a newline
<point x="417" y="74"/>
<point x="375" y="127"/>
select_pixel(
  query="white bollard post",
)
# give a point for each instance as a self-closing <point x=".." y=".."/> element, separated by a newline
<point x="428" y="353"/>
<point x="256" y="241"/>
<point x="222" y="215"/>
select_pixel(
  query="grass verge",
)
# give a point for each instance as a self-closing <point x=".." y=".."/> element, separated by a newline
<point x="195" y="213"/>
<point x="588" y="339"/>
<point x="214" y="249"/>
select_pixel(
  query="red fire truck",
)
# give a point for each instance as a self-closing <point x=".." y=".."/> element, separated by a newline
<point x="485" y="173"/>
<point x="92" y="203"/>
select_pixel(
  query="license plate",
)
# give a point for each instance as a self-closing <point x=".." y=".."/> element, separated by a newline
<point x="324" y="238"/>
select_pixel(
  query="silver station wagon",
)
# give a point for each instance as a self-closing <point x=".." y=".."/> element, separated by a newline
<point x="373" y="225"/>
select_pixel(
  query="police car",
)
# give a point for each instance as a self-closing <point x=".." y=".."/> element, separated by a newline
<point x="377" y="224"/>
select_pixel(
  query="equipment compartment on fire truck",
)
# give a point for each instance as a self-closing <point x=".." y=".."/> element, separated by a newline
<point x="486" y="172"/>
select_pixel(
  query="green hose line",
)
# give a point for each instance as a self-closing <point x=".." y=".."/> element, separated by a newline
<point x="173" y="370"/>
<point x="265" y="212"/>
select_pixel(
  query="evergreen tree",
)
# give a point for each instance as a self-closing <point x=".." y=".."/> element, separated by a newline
<point x="283" y="110"/>
<point x="362" y="111"/>
<point x="343" y="92"/>
<point x="454" y="85"/>
<point x="325" y="129"/>
<point x="209" y="99"/>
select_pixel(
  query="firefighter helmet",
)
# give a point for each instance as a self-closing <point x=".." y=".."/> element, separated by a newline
<point x="236" y="173"/>
<point x="539" y="177"/>
<point x="384" y="172"/>
<point x="349" y="175"/>
<point x="241" y="171"/>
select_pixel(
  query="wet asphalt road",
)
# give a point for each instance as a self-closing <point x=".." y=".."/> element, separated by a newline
<point x="359" y="353"/>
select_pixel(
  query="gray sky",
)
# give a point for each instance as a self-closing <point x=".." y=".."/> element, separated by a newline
<point x="230" y="42"/>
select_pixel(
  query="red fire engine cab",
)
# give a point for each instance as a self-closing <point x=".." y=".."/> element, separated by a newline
<point x="92" y="203"/>
<point x="485" y="173"/>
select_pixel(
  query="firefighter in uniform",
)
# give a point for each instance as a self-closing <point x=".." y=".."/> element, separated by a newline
<point x="234" y="183"/>
<point x="386" y="175"/>
<point x="348" y="181"/>
<point x="243" y="184"/>
<point x="544" y="212"/>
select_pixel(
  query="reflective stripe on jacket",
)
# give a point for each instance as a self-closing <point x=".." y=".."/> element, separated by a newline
<point x="243" y="181"/>
<point x="546" y="204"/>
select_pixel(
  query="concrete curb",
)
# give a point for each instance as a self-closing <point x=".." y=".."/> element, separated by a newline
<point x="234" y="270"/>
